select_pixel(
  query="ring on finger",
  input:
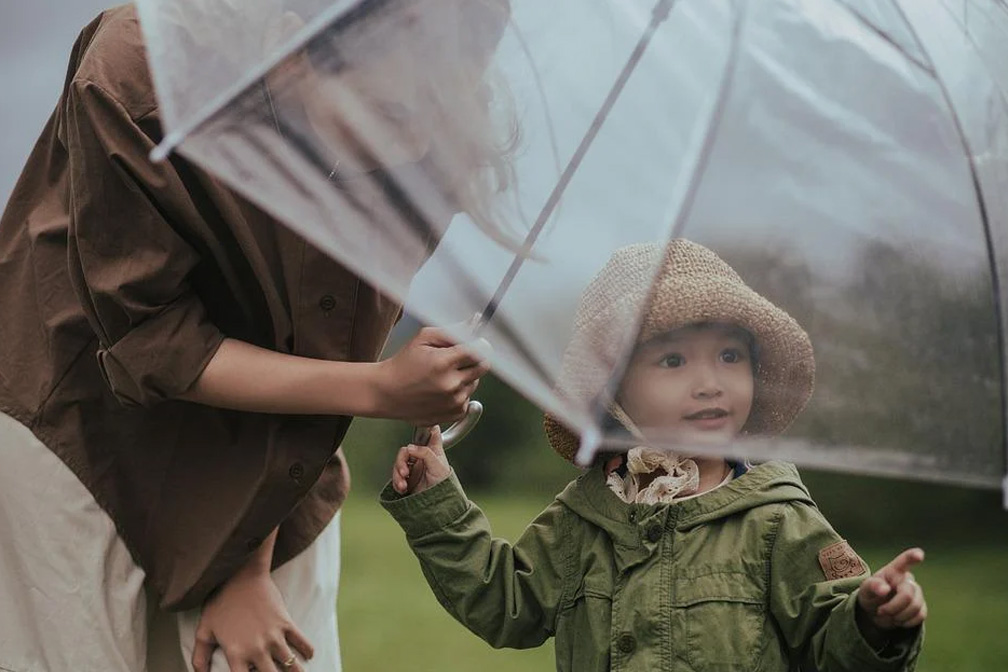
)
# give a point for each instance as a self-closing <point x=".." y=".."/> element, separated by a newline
<point x="289" y="662"/>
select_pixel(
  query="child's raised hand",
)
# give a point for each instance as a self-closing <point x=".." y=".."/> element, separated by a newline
<point x="417" y="468"/>
<point x="891" y="598"/>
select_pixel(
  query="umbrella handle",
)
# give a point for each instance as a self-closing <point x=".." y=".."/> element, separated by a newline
<point x="451" y="436"/>
<point x="455" y="433"/>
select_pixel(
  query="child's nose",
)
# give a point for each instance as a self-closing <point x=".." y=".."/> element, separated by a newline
<point x="707" y="383"/>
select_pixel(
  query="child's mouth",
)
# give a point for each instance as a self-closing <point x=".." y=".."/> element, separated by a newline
<point x="707" y="414"/>
<point x="708" y="418"/>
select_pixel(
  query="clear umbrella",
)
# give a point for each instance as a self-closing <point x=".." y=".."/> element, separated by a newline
<point x="482" y="157"/>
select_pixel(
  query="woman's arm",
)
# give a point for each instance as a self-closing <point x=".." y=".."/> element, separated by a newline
<point x="429" y="381"/>
<point x="248" y="620"/>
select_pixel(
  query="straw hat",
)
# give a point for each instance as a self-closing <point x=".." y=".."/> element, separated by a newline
<point x="677" y="285"/>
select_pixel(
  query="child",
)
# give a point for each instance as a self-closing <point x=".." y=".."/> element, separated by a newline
<point x="651" y="561"/>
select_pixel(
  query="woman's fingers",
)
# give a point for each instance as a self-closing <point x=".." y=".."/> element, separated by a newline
<point x="284" y="657"/>
<point x="238" y="663"/>
<point x="262" y="661"/>
<point x="203" y="651"/>
<point x="472" y="354"/>
<point x="467" y="391"/>
<point x="300" y="643"/>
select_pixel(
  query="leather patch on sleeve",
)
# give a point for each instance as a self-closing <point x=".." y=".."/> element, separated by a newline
<point x="839" y="561"/>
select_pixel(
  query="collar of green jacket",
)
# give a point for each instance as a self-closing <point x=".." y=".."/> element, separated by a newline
<point x="590" y="498"/>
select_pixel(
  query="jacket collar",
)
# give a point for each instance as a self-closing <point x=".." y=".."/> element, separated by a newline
<point x="628" y="525"/>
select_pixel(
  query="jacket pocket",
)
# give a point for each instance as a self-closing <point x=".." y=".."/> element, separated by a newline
<point x="724" y="613"/>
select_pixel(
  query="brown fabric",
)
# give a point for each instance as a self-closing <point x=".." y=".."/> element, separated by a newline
<point x="118" y="281"/>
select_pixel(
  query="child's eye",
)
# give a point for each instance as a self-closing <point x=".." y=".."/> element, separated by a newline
<point x="672" y="361"/>
<point x="731" y="356"/>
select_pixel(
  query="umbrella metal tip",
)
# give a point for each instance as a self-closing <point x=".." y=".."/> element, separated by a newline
<point x="159" y="153"/>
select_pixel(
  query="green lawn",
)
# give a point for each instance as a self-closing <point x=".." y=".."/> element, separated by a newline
<point x="390" y="621"/>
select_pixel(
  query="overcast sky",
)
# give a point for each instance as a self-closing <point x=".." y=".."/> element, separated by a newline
<point x="35" y="41"/>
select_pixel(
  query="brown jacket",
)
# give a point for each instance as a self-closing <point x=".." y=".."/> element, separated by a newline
<point x="119" y="279"/>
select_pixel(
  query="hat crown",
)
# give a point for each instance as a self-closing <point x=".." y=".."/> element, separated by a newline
<point x="686" y="258"/>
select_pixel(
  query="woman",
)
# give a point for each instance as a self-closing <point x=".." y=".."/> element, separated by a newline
<point x="177" y="374"/>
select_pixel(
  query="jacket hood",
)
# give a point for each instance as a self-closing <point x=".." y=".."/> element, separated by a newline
<point x="769" y="483"/>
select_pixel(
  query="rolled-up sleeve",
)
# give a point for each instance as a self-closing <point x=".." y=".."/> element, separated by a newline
<point x="129" y="259"/>
<point x="816" y="615"/>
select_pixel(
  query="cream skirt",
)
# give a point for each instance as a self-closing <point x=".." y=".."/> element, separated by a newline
<point x="73" y="600"/>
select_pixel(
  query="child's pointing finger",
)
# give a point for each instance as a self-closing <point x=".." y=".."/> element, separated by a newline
<point x="900" y="567"/>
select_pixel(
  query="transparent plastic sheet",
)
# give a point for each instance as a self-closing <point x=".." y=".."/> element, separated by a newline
<point x="877" y="246"/>
<point x="832" y="174"/>
<point x="981" y="108"/>
<point x="267" y="151"/>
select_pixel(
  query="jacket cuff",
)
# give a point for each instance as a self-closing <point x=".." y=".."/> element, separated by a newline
<point x="161" y="357"/>
<point x="424" y="512"/>
<point x="899" y="654"/>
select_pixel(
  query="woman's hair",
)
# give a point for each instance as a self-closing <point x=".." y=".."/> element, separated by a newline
<point x="476" y="132"/>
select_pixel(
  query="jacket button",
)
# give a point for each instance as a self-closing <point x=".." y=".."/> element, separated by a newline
<point x="653" y="532"/>
<point x="327" y="303"/>
<point x="296" y="471"/>
<point x="253" y="544"/>
<point x="626" y="643"/>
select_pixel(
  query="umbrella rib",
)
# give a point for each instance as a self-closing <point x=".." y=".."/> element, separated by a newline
<point x="701" y="156"/>
<point x="658" y="15"/>
<point x="414" y="215"/>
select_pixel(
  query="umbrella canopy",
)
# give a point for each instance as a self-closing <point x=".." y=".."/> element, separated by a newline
<point x="848" y="158"/>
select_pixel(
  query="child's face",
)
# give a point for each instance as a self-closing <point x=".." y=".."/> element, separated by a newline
<point x="694" y="384"/>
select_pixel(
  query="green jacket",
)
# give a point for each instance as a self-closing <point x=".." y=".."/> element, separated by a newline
<point x="730" y="580"/>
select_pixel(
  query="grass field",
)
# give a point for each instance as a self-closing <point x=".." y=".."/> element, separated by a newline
<point x="390" y="621"/>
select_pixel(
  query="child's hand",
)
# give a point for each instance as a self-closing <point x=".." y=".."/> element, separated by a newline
<point x="417" y="468"/>
<point x="891" y="598"/>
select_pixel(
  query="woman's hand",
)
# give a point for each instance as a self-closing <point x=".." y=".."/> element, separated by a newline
<point x="430" y="380"/>
<point x="417" y="468"/>
<point x="248" y="620"/>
